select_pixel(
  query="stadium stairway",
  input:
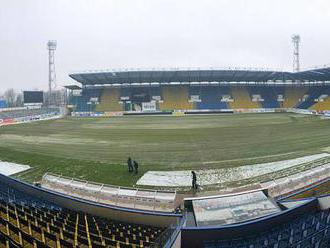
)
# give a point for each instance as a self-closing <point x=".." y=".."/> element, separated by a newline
<point x="29" y="222"/>
<point x="279" y="90"/>
<point x="109" y="100"/>
<point x="211" y="96"/>
<point x="292" y="96"/>
<point x="175" y="98"/>
<point x="313" y="93"/>
<point x="242" y="99"/>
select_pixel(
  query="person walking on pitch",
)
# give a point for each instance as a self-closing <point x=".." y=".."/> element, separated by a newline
<point x="130" y="164"/>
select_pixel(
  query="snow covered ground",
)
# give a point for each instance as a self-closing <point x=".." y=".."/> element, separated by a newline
<point x="216" y="176"/>
<point x="8" y="169"/>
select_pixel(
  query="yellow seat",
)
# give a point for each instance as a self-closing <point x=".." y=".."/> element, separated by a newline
<point x="175" y="98"/>
<point x="242" y="99"/>
<point x="292" y="95"/>
<point x="322" y="106"/>
<point x="109" y="101"/>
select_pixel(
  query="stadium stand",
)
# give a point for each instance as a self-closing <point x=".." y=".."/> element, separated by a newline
<point x="195" y="89"/>
<point x="312" y="94"/>
<point x="304" y="224"/>
<point x="323" y="100"/>
<point x="269" y="96"/>
<point x="293" y="95"/>
<point x="83" y="102"/>
<point x="211" y="97"/>
<point x="322" y="105"/>
<point x="206" y="97"/>
<point x="109" y="100"/>
<point x="27" y="221"/>
<point x="242" y="99"/>
<point x="175" y="98"/>
<point x="309" y="230"/>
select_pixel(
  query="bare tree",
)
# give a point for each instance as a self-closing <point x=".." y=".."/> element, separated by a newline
<point x="10" y="97"/>
<point x="19" y="100"/>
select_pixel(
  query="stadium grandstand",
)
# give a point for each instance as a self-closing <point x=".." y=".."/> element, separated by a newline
<point x="191" y="90"/>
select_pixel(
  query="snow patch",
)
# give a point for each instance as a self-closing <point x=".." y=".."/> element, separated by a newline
<point x="7" y="168"/>
<point x="217" y="176"/>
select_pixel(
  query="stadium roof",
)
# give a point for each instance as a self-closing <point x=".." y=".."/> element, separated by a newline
<point x="198" y="75"/>
<point x="72" y="87"/>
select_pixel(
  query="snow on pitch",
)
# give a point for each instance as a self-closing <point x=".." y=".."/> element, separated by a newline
<point x="216" y="176"/>
<point x="8" y="169"/>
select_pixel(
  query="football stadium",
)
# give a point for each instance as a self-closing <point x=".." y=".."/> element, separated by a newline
<point x="258" y="142"/>
<point x="165" y="158"/>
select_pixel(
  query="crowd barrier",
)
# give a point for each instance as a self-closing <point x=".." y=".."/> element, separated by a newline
<point x="198" y="111"/>
<point x="152" y="200"/>
<point x="26" y="119"/>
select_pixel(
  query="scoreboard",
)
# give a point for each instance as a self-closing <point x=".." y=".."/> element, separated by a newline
<point x="33" y="97"/>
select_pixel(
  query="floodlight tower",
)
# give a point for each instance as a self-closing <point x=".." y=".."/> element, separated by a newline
<point x="51" y="47"/>
<point x="296" y="53"/>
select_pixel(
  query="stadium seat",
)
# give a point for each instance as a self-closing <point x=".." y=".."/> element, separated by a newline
<point x="242" y="99"/>
<point x="293" y="95"/>
<point x="303" y="232"/>
<point x="30" y="222"/>
<point x="211" y="97"/>
<point x="313" y="93"/>
<point x="109" y="100"/>
<point x="175" y="98"/>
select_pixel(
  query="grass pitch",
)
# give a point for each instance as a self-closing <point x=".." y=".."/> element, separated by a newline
<point x="97" y="148"/>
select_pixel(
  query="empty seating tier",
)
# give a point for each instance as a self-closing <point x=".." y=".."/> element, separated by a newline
<point x="322" y="106"/>
<point x="310" y="230"/>
<point x="29" y="222"/>
<point x="211" y="97"/>
<point x="175" y="98"/>
<point x="293" y="95"/>
<point x="242" y="99"/>
<point x="202" y="97"/>
<point x="110" y="100"/>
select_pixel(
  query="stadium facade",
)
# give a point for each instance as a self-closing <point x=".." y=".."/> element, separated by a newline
<point x="171" y="90"/>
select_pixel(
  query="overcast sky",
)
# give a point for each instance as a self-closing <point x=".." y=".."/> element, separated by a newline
<point x="106" y="34"/>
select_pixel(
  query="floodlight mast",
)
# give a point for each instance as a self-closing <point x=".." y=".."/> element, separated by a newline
<point x="51" y="47"/>
<point x="296" y="52"/>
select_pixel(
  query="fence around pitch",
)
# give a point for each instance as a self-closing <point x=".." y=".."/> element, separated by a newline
<point x="136" y="198"/>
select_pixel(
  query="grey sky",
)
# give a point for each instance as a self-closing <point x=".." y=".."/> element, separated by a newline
<point x="105" y="34"/>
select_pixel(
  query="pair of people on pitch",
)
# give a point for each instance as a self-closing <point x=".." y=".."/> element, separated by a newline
<point x="132" y="163"/>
